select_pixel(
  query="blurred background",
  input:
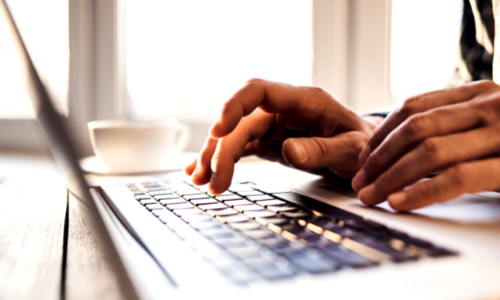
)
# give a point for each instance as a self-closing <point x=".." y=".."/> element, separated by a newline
<point x="153" y="59"/>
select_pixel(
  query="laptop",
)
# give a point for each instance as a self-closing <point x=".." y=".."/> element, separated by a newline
<point x="276" y="232"/>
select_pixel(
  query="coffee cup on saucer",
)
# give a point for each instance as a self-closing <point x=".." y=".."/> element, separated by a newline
<point x="126" y="146"/>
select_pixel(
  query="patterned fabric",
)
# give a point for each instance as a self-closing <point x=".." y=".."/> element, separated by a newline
<point x="476" y="42"/>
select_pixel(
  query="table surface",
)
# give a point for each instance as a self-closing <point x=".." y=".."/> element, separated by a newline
<point x="47" y="251"/>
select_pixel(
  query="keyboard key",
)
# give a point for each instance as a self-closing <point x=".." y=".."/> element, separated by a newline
<point x="157" y="212"/>
<point x="324" y="208"/>
<point x="186" y="212"/>
<point x="212" y="206"/>
<point x="173" y="201"/>
<point x="250" y="193"/>
<point x="228" y="197"/>
<point x="231" y="241"/>
<point x="194" y="217"/>
<point x="163" y="193"/>
<point x="272" y="190"/>
<point x="233" y="219"/>
<point x="237" y="202"/>
<point x="217" y="232"/>
<point x="204" y="201"/>
<point x="260" y="213"/>
<point x="186" y="205"/>
<point x="197" y="197"/>
<point x="157" y="189"/>
<point x="274" y="202"/>
<point x="282" y="208"/>
<point x="188" y="192"/>
<point x="168" y="197"/>
<point x="257" y="234"/>
<point x="148" y="201"/>
<point x="260" y="198"/>
<point x="154" y="206"/>
<point x="277" y="220"/>
<point x="345" y="256"/>
<point x="249" y="225"/>
<point x="226" y="193"/>
<point x="244" y="208"/>
<point x="244" y="252"/>
<point x="235" y="187"/>
<point x="299" y="214"/>
<point x="204" y="224"/>
<point x="313" y="263"/>
<point x="222" y="212"/>
<point x="142" y="197"/>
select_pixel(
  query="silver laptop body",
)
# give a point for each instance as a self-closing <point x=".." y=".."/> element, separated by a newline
<point x="447" y="251"/>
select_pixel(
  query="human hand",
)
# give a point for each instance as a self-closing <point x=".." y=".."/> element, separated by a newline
<point x="302" y="127"/>
<point x="453" y="131"/>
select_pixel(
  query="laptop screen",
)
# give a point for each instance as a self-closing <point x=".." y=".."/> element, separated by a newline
<point x="52" y="122"/>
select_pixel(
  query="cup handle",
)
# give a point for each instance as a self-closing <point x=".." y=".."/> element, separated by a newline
<point x="183" y="135"/>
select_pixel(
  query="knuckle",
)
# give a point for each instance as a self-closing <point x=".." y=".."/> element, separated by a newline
<point x="485" y="85"/>
<point x="415" y="125"/>
<point x="358" y="141"/>
<point x="254" y="80"/>
<point x="431" y="147"/>
<point x="322" y="148"/>
<point x="411" y="106"/>
<point x="376" y="161"/>
<point x="458" y="175"/>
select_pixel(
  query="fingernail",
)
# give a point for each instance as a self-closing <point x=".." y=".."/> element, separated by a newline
<point x="213" y="165"/>
<point x="212" y="182"/>
<point x="397" y="198"/>
<point x="367" y="193"/>
<point x="359" y="181"/>
<point x="364" y="154"/>
<point x="300" y="151"/>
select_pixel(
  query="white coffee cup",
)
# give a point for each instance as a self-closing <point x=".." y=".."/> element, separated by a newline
<point x="137" y="146"/>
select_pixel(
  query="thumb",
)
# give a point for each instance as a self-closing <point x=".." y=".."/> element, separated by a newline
<point x="338" y="153"/>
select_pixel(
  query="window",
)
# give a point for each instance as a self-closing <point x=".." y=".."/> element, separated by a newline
<point x="186" y="58"/>
<point x="424" y="45"/>
<point x="44" y="28"/>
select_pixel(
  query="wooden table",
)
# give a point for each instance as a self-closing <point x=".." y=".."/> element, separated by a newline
<point x="46" y="249"/>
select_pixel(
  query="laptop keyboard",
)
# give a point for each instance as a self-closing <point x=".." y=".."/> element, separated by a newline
<point x="251" y="233"/>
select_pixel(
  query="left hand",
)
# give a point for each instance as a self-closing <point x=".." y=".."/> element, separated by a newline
<point x="454" y="131"/>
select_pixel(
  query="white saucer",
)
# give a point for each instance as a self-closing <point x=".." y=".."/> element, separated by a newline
<point x="92" y="164"/>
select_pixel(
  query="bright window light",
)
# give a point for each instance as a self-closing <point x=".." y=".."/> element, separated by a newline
<point x="425" y="45"/>
<point x="44" y="28"/>
<point x="186" y="58"/>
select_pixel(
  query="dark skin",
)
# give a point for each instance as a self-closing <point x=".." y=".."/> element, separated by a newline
<point x="454" y="131"/>
<point x="301" y="127"/>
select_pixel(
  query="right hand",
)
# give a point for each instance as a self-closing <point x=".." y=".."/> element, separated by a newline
<point x="301" y="127"/>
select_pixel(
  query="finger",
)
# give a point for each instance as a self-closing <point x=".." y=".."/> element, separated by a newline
<point x="306" y="102"/>
<point x="189" y="169"/>
<point x="271" y="152"/>
<point x="420" y="104"/>
<point x="202" y="174"/>
<point x="338" y="153"/>
<point x="433" y="154"/>
<point x="472" y="177"/>
<point x="230" y="148"/>
<point x="436" y="122"/>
